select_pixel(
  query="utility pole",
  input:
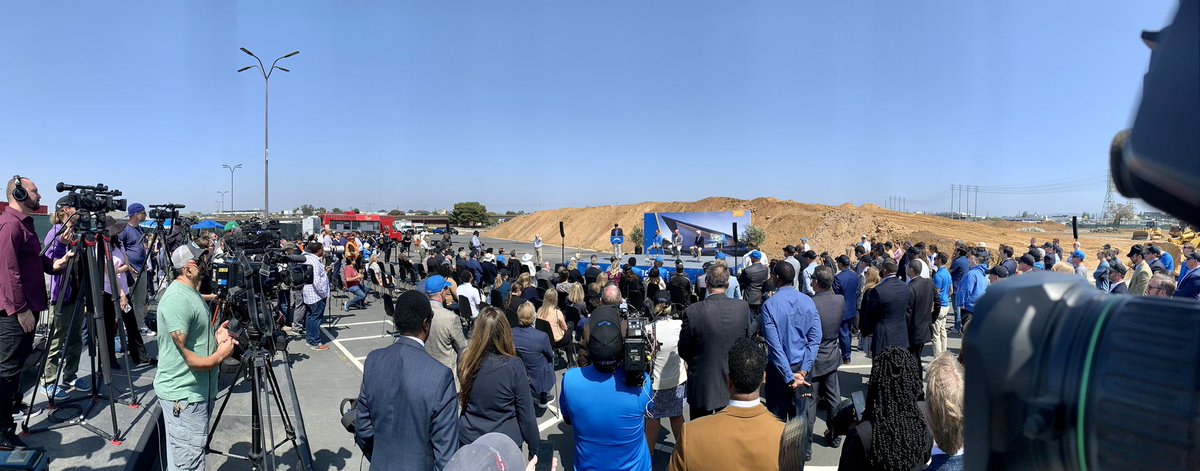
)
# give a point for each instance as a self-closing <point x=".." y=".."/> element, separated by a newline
<point x="976" y="202"/>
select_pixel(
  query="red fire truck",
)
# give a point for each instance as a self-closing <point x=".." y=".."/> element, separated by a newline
<point x="369" y="223"/>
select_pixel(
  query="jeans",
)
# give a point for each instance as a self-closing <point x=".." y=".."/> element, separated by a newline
<point x="186" y="427"/>
<point x="139" y="292"/>
<point x="957" y="319"/>
<point x="285" y="306"/>
<point x="844" y="338"/>
<point x="360" y="297"/>
<point x="312" y="322"/>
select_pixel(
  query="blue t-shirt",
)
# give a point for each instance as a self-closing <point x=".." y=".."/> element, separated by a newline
<point x="942" y="281"/>
<point x="607" y="416"/>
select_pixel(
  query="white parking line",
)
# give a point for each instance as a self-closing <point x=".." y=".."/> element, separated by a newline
<point x="344" y="350"/>
<point x="365" y="337"/>
<point x="337" y="324"/>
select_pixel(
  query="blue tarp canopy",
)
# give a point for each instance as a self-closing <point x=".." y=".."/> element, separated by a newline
<point x="149" y="224"/>
<point x="208" y="224"/>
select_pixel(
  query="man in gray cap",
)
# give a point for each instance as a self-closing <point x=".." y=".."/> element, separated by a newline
<point x="186" y="382"/>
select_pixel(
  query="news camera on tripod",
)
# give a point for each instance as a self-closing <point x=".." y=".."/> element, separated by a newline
<point x="248" y="282"/>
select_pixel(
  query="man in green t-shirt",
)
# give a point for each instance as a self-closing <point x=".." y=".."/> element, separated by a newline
<point x="186" y="381"/>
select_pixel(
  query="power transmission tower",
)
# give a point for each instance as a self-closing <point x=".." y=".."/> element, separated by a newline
<point x="1110" y="204"/>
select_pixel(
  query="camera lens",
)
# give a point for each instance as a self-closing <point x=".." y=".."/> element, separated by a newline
<point x="1062" y="374"/>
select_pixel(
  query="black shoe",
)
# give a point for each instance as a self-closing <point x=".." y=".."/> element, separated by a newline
<point x="807" y="456"/>
<point x="833" y="441"/>
<point x="11" y="440"/>
<point x="114" y="363"/>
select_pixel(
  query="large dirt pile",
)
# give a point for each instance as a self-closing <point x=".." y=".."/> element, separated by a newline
<point x="828" y="228"/>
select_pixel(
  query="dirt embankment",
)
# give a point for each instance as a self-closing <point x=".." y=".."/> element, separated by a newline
<point x="828" y="228"/>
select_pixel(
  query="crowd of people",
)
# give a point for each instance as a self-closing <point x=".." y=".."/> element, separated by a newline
<point x="747" y="349"/>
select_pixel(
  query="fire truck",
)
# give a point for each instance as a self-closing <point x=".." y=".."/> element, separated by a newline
<point x="368" y="223"/>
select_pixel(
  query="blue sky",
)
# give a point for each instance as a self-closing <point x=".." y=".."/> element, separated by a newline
<point x="545" y="104"/>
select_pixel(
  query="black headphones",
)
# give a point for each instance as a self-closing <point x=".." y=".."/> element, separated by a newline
<point x="19" y="193"/>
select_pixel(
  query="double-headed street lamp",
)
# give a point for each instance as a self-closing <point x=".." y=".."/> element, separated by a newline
<point x="266" y="75"/>
<point x="222" y="206"/>
<point x="231" y="169"/>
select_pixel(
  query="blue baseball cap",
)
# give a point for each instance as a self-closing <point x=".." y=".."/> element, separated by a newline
<point x="134" y="209"/>
<point x="658" y="259"/>
<point x="755" y="255"/>
<point x="1078" y="254"/>
<point x="436" y="284"/>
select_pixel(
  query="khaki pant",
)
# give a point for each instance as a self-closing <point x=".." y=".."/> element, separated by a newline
<point x="939" y="331"/>
<point x="537" y="256"/>
<point x="65" y="328"/>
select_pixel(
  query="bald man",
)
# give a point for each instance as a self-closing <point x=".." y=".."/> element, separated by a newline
<point x="22" y="280"/>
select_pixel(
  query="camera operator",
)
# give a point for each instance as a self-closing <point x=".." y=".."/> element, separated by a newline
<point x="24" y="286"/>
<point x="133" y="241"/>
<point x="186" y="381"/>
<point x="57" y="244"/>
<point x="605" y="411"/>
<point x="315" y="295"/>
<point x="610" y="309"/>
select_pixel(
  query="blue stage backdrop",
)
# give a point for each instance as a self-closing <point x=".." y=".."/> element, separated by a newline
<point x="716" y="227"/>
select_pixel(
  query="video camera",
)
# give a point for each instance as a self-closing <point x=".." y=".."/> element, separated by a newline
<point x="638" y="347"/>
<point x="91" y="203"/>
<point x="253" y="272"/>
<point x="1060" y="375"/>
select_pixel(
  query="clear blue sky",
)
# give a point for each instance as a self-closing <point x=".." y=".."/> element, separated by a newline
<point x="545" y="104"/>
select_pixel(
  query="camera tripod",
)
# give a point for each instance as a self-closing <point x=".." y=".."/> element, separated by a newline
<point x="86" y="276"/>
<point x="256" y="368"/>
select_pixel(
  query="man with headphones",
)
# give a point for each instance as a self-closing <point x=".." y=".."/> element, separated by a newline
<point x="22" y="293"/>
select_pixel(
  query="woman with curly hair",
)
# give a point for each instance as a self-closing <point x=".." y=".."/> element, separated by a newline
<point x="893" y="434"/>
<point x="495" y="395"/>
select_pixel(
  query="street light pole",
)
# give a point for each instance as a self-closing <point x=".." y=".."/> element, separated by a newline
<point x="222" y="193"/>
<point x="231" y="169"/>
<point x="266" y="75"/>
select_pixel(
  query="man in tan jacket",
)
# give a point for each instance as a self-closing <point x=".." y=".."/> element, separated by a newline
<point x="1140" y="280"/>
<point x="744" y="435"/>
<point x="446" y="340"/>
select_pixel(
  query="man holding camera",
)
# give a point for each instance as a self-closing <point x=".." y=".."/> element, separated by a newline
<point x="315" y="295"/>
<point x="186" y="382"/>
<point x="24" y="286"/>
<point x="604" y="409"/>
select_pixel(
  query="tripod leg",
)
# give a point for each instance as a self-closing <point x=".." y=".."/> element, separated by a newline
<point x="265" y="384"/>
<point x="224" y="402"/>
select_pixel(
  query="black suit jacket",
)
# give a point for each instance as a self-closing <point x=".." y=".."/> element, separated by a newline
<point x="751" y="280"/>
<point x="500" y="401"/>
<point x="885" y="315"/>
<point x="409" y="406"/>
<point x="709" y="329"/>
<point x="1120" y="288"/>
<point x="829" y="356"/>
<point x="924" y="303"/>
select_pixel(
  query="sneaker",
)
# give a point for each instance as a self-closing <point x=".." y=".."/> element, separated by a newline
<point x="55" y="391"/>
<point x="21" y="410"/>
<point x="82" y="385"/>
<point x="319" y="348"/>
<point x="147" y="332"/>
<point x="346" y="306"/>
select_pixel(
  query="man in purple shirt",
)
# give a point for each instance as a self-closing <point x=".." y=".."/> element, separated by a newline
<point x="66" y="320"/>
<point x="22" y="293"/>
<point x="791" y="327"/>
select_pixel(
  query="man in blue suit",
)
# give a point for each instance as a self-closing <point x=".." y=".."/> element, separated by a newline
<point x="408" y="403"/>
<point x="845" y="283"/>
<point x="1189" y="285"/>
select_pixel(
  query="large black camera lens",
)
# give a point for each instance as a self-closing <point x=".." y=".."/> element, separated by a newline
<point x="1060" y="375"/>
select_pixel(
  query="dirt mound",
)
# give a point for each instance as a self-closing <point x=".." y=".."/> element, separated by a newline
<point x="828" y="228"/>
